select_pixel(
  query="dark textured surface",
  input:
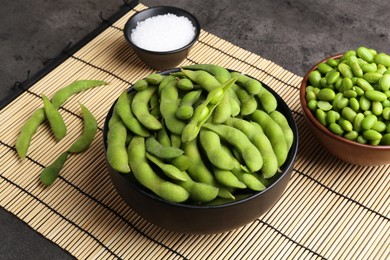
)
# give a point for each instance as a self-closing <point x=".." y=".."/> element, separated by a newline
<point x="293" y="34"/>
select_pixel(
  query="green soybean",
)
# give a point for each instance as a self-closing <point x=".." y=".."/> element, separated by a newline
<point x="123" y="109"/>
<point x="241" y="142"/>
<point x="168" y="169"/>
<point x="154" y="78"/>
<point x="169" y="103"/>
<point x="375" y="95"/>
<point x="185" y="84"/>
<point x="157" y="149"/>
<point x="279" y="118"/>
<point x="186" y="110"/>
<point x="220" y="73"/>
<point x="56" y="121"/>
<point x="50" y="173"/>
<point x="140" y="85"/>
<point x="27" y="131"/>
<point x="117" y="155"/>
<point x="90" y="127"/>
<point x="75" y="87"/>
<point x="139" y="107"/>
<point x="365" y="54"/>
<point x="212" y="147"/>
<point x="368" y="122"/>
<point x="203" y="78"/>
<point x="145" y="175"/>
<point x="228" y="179"/>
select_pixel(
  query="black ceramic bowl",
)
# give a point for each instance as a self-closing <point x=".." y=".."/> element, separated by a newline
<point x="202" y="219"/>
<point x="161" y="59"/>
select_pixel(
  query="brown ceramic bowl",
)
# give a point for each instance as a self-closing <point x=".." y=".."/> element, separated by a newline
<point x="342" y="148"/>
<point x="161" y="59"/>
<point x="204" y="219"/>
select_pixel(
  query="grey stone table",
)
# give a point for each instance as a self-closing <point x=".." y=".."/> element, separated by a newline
<point x="293" y="34"/>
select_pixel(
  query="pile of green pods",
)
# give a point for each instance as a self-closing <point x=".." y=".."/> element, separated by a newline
<point x="200" y="135"/>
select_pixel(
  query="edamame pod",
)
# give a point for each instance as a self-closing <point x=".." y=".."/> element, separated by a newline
<point x="164" y="152"/>
<point x="145" y="175"/>
<point x="117" y="155"/>
<point x="220" y="73"/>
<point x="123" y="109"/>
<point x="203" y="78"/>
<point x="56" y="121"/>
<point x="89" y="131"/>
<point x="50" y="173"/>
<point x="274" y="133"/>
<point x="169" y="170"/>
<point x="139" y="107"/>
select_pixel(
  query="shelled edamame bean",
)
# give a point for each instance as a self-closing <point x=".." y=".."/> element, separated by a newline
<point x="200" y="139"/>
<point x="350" y="95"/>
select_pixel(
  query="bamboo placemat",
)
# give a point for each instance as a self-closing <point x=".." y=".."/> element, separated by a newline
<point x="330" y="209"/>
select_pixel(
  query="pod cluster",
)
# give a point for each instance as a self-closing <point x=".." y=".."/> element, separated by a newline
<point x="201" y="135"/>
<point x="351" y="95"/>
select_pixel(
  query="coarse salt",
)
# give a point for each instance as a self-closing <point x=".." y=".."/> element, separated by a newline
<point x="163" y="33"/>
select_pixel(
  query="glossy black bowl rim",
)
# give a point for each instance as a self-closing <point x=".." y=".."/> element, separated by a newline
<point x="127" y="30"/>
<point x="286" y="166"/>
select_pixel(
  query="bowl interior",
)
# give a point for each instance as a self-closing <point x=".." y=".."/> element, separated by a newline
<point x="285" y="168"/>
<point x="160" y="10"/>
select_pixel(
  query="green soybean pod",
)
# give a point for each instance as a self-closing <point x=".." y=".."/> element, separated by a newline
<point x="382" y="58"/>
<point x="248" y="102"/>
<point x="185" y="84"/>
<point x="123" y="109"/>
<point x="203" y="78"/>
<point x="75" y="87"/>
<point x="314" y="78"/>
<point x="251" y="85"/>
<point x="220" y="73"/>
<point x="164" y="82"/>
<point x="56" y="121"/>
<point x="90" y="127"/>
<point x="141" y="84"/>
<point x="157" y="149"/>
<point x="282" y="121"/>
<point x="275" y="134"/>
<point x="336" y="129"/>
<point x="227" y="179"/>
<point x="199" y="192"/>
<point x="212" y="147"/>
<point x="154" y="78"/>
<point x="28" y="129"/>
<point x="357" y="123"/>
<point x="117" y="155"/>
<point x="186" y="110"/>
<point x="50" y="173"/>
<point x="169" y="103"/>
<point x="241" y="142"/>
<point x="267" y="100"/>
<point x="256" y="135"/>
<point x="162" y="137"/>
<point x="139" y="107"/>
<point x="224" y="110"/>
<point x="365" y="54"/>
<point x="168" y="169"/>
<point x="145" y="175"/>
